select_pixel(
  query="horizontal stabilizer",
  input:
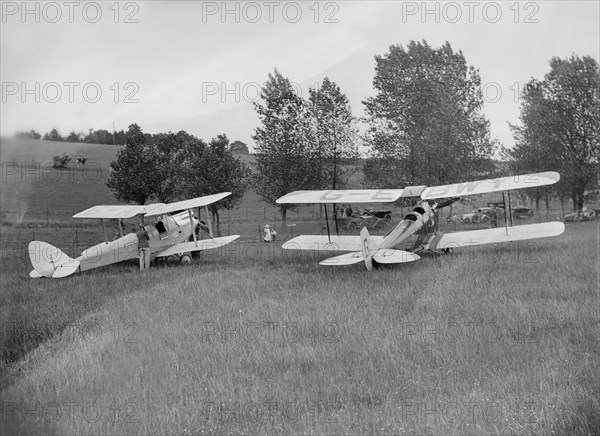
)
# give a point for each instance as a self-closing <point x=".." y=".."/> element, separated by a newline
<point x="394" y="256"/>
<point x="203" y="244"/>
<point x="322" y="243"/>
<point x="35" y="275"/>
<point x="498" y="235"/>
<point x="491" y="185"/>
<point x="49" y="261"/>
<point x="343" y="259"/>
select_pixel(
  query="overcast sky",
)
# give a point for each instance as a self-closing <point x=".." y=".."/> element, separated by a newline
<point x="197" y="66"/>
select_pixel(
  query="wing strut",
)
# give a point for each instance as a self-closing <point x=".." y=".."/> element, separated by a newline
<point x="510" y="215"/>
<point x="327" y="222"/>
<point x="209" y="223"/>
<point x="337" y="232"/>
<point x="104" y="228"/>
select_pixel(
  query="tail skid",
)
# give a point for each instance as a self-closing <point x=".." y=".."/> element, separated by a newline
<point x="49" y="261"/>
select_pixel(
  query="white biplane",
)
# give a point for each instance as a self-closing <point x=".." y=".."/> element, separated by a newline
<point x="420" y="222"/>
<point x="169" y="236"/>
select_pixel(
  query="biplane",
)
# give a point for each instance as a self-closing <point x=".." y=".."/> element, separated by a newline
<point x="175" y="233"/>
<point x="418" y="230"/>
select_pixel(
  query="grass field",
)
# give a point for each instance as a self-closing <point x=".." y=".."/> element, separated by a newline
<point x="254" y="339"/>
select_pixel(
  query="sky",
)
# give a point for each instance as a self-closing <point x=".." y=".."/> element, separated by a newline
<point x="198" y="66"/>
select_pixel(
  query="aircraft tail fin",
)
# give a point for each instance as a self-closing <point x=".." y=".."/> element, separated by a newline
<point x="369" y="247"/>
<point x="49" y="261"/>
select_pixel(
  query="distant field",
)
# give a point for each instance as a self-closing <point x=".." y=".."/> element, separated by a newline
<point x="254" y="339"/>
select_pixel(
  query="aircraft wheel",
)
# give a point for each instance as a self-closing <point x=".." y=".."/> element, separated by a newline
<point x="186" y="259"/>
<point x="352" y="227"/>
<point x="447" y="250"/>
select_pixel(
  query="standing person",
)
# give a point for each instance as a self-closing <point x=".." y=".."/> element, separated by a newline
<point x="494" y="217"/>
<point x="143" y="247"/>
<point x="268" y="236"/>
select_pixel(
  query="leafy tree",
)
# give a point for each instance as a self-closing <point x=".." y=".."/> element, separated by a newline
<point x="334" y="132"/>
<point x="426" y="118"/>
<point x="133" y="174"/>
<point x="120" y="137"/>
<point x="213" y="169"/>
<point x="284" y="143"/>
<point x="172" y="152"/>
<point x="73" y="137"/>
<point x="238" y="147"/>
<point x="32" y="134"/>
<point x="560" y="126"/>
<point x="53" y="135"/>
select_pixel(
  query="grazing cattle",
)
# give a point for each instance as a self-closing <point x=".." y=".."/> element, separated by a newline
<point x="81" y="160"/>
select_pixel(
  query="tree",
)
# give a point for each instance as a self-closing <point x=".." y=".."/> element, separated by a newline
<point x="283" y="143"/>
<point x="173" y="152"/>
<point x="560" y="126"/>
<point x="213" y="169"/>
<point x="334" y="132"/>
<point x="238" y="147"/>
<point x="73" y="137"/>
<point x="53" y="135"/>
<point x="426" y="118"/>
<point x="133" y="174"/>
<point x="32" y="134"/>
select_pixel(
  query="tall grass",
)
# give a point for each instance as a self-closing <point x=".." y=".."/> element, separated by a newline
<point x="491" y="341"/>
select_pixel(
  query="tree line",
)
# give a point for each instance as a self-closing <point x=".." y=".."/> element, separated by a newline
<point x="103" y="136"/>
<point x="425" y="125"/>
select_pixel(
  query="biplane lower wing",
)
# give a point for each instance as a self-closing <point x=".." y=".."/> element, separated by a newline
<point x="495" y="236"/>
<point x="324" y="243"/>
<point x="200" y="245"/>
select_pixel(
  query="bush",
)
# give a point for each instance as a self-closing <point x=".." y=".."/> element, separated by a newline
<point x="61" y="161"/>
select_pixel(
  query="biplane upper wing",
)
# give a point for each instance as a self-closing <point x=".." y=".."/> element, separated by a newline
<point x="323" y="243"/>
<point x="185" y="204"/>
<point x="495" y="236"/>
<point x="116" y="211"/>
<point x="491" y="185"/>
<point x="350" y="195"/>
